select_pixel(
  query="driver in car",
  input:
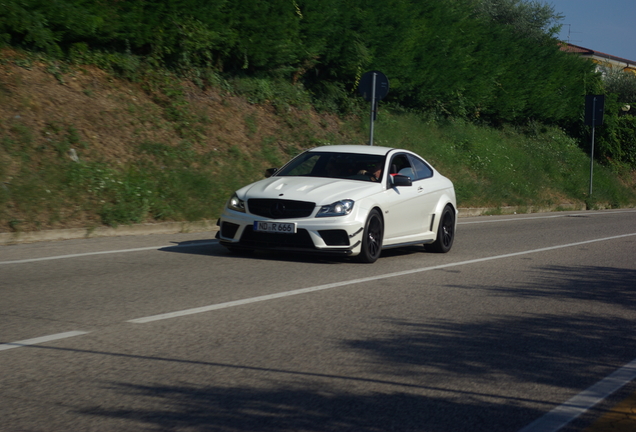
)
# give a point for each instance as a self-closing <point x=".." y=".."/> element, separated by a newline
<point x="374" y="171"/>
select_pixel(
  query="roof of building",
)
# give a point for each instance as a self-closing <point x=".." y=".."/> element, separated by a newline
<point x="587" y="52"/>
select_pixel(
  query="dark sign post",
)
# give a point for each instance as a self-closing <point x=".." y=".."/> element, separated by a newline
<point x="374" y="86"/>
<point x="594" y="109"/>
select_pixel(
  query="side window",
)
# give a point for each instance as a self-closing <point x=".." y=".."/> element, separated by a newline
<point x="400" y="165"/>
<point x="422" y="170"/>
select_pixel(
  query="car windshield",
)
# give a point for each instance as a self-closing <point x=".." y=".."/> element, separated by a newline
<point x="352" y="166"/>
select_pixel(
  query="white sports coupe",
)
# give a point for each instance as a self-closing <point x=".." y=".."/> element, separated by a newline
<point x="351" y="200"/>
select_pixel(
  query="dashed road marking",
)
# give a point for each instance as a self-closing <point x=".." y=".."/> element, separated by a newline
<point x="107" y="252"/>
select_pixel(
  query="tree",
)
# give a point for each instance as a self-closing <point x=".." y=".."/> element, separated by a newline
<point x="532" y="19"/>
<point x="621" y="83"/>
<point x="617" y="138"/>
<point x="267" y="35"/>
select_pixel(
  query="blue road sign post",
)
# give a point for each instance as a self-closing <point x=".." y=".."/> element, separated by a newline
<point x="374" y="86"/>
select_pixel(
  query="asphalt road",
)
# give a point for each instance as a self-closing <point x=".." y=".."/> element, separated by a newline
<point x="526" y="315"/>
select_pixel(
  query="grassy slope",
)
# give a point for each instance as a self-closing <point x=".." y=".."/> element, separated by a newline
<point x="542" y="167"/>
<point x="166" y="150"/>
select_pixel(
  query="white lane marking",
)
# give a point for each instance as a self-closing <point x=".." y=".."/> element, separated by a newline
<point x="216" y="242"/>
<point x="106" y="252"/>
<point x="355" y="281"/>
<point x="39" y="340"/>
<point x="521" y="218"/>
<point x="573" y="408"/>
<point x="512" y="219"/>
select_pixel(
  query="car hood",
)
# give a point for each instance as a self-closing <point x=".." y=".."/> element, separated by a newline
<point x="314" y="189"/>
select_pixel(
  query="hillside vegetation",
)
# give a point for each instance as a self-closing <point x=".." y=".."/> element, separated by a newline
<point x="125" y="112"/>
<point x="83" y="148"/>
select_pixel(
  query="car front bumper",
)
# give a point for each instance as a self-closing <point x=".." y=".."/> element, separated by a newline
<point x="340" y="235"/>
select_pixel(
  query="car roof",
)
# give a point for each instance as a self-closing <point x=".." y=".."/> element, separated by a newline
<point x="357" y="149"/>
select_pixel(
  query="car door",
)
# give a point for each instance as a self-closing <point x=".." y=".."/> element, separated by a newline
<point x="427" y="192"/>
<point x="403" y="210"/>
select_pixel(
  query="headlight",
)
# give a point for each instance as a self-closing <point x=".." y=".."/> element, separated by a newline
<point x="236" y="204"/>
<point x="339" y="208"/>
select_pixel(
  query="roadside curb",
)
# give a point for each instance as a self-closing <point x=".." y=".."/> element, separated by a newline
<point x="209" y="225"/>
<point x="495" y="211"/>
<point x="123" y="230"/>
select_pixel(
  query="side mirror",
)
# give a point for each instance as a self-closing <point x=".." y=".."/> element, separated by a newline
<point x="270" y="172"/>
<point x="401" y="180"/>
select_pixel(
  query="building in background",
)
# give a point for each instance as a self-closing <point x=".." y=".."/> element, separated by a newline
<point x="601" y="59"/>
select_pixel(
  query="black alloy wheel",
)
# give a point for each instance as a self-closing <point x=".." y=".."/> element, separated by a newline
<point x="372" y="238"/>
<point x="445" y="232"/>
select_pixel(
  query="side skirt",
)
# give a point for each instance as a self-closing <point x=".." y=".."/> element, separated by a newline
<point x="413" y="243"/>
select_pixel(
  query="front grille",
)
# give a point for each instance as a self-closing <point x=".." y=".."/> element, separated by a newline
<point x="279" y="208"/>
<point x="300" y="240"/>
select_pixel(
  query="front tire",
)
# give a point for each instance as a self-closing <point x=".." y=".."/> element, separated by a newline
<point x="372" y="238"/>
<point x="445" y="232"/>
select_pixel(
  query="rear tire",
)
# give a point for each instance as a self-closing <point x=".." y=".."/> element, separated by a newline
<point x="372" y="238"/>
<point x="445" y="232"/>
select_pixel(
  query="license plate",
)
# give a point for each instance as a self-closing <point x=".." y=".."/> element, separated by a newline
<point x="275" y="227"/>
